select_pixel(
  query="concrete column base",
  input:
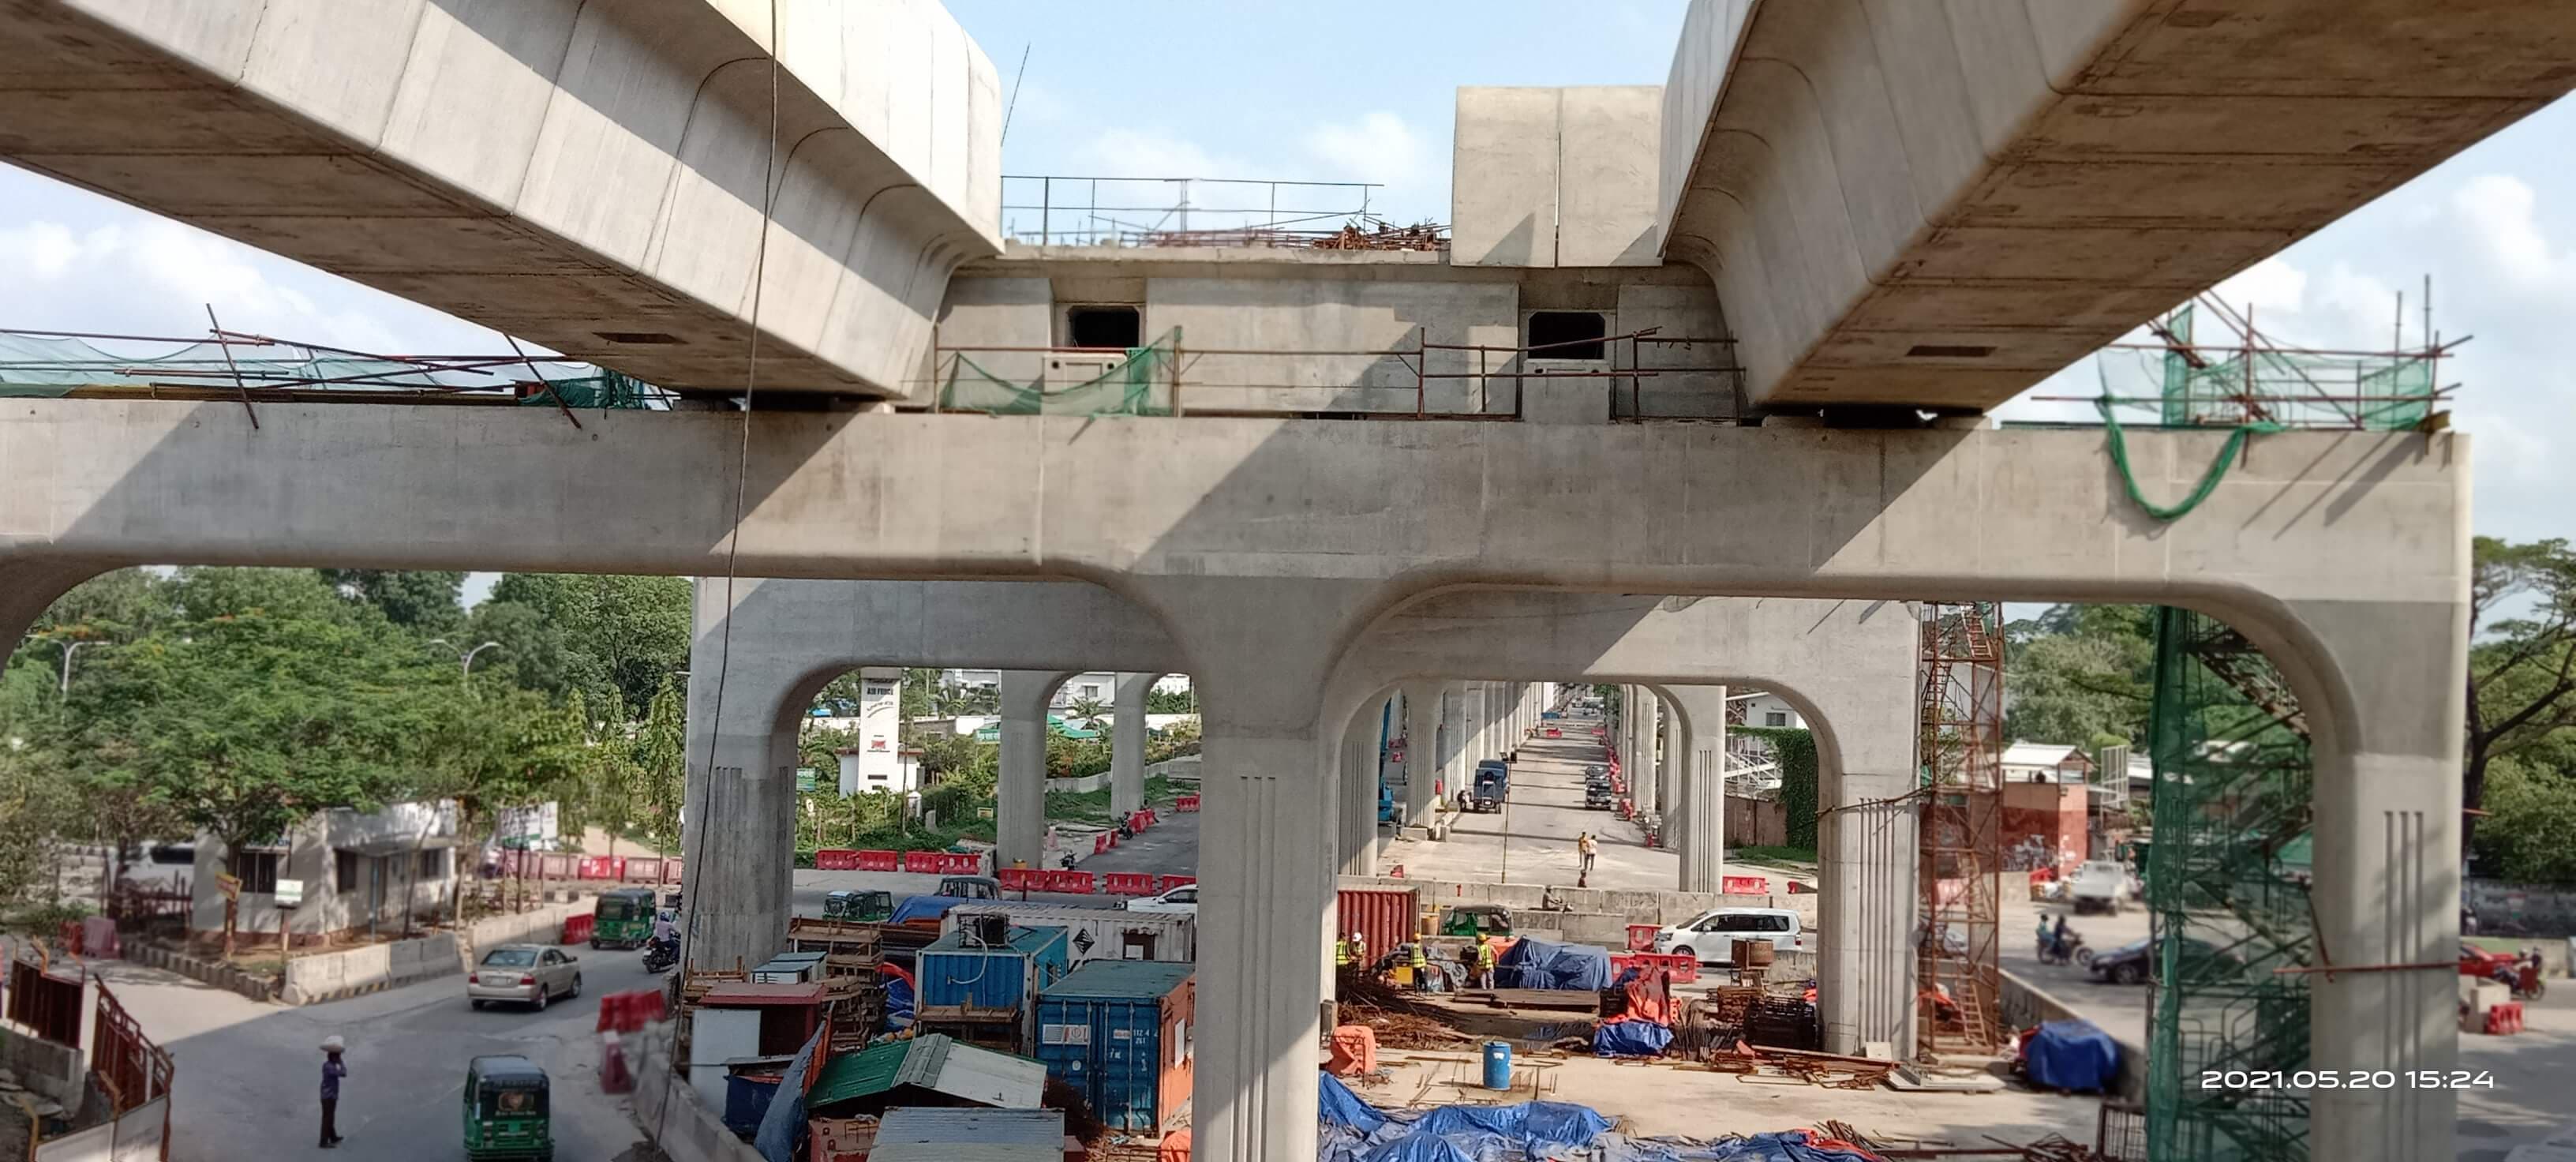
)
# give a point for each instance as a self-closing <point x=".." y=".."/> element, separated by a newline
<point x="1019" y="798"/>
<point x="1127" y="745"/>
<point x="1865" y="971"/>
<point x="1265" y="891"/>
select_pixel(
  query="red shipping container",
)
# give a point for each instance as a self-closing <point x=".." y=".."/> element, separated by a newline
<point x="1385" y="917"/>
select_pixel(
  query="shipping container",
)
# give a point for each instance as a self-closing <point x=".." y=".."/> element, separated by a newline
<point x="1097" y="933"/>
<point x="1386" y="916"/>
<point x="1119" y="1032"/>
<point x="962" y="980"/>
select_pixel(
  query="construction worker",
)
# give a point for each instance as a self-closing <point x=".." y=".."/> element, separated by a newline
<point x="1484" y="960"/>
<point x="1421" y="968"/>
<point x="1588" y="848"/>
<point x="1359" y="950"/>
<point x="1341" y="954"/>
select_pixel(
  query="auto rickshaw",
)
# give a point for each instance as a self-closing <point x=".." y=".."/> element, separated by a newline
<point x="1470" y="919"/>
<point x="624" y="918"/>
<point x="869" y="906"/>
<point x="506" y="1109"/>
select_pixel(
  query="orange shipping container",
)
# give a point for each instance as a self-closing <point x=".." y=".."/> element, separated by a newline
<point x="1386" y="916"/>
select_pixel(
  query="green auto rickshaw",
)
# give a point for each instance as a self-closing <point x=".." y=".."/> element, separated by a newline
<point x="867" y="907"/>
<point x="1474" y="919"/>
<point x="506" y="1113"/>
<point x="623" y="918"/>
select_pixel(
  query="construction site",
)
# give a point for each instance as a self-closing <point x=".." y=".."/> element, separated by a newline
<point x="1601" y="601"/>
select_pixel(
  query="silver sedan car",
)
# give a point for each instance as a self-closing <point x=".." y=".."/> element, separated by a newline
<point x="526" y="974"/>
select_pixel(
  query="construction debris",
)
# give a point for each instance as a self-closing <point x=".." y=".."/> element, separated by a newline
<point x="1387" y="236"/>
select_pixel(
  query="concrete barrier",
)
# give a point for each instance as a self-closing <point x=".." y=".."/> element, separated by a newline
<point x="1632" y="907"/>
<point x="2024" y="1004"/>
<point x="668" y="1110"/>
<point x="329" y="976"/>
<point x="257" y="987"/>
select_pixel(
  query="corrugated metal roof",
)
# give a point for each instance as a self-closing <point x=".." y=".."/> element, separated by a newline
<point x="969" y="1135"/>
<point x="933" y="1062"/>
<point x="1122" y="979"/>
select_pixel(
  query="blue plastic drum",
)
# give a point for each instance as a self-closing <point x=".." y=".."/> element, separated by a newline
<point x="1498" y="1065"/>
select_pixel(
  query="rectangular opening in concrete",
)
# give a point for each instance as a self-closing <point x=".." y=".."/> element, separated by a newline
<point x="1567" y="334"/>
<point x="1947" y="351"/>
<point x="1104" y="326"/>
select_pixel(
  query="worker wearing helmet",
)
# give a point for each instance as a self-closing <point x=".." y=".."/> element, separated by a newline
<point x="1485" y="956"/>
<point x="1359" y="950"/>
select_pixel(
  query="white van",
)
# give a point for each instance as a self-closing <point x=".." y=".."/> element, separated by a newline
<point x="2097" y="886"/>
<point x="1711" y="936"/>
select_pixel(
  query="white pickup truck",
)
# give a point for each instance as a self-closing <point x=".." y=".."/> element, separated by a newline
<point x="2098" y="886"/>
<point x="1711" y="936"/>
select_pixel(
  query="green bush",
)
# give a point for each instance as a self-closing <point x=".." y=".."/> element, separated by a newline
<point x="1795" y="749"/>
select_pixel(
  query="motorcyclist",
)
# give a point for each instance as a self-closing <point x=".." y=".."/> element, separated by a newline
<point x="2057" y="940"/>
<point x="2044" y="941"/>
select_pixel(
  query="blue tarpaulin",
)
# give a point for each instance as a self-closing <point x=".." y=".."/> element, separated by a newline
<point x="1354" y="1131"/>
<point x="1789" y="1146"/>
<point x="783" y="1126"/>
<point x="924" y="908"/>
<point x="1630" y="1039"/>
<point x="2074" y="1054"/>
<point x="1538" y="964"/>
<point x="1340" y="1107"/>
<point x="898" y="1003"/>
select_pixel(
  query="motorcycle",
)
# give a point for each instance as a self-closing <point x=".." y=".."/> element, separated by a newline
<point x="660" y="955"/>
<point x="2071" y="952"/>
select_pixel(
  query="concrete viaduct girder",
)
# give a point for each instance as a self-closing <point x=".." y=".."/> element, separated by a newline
<point x="587" y="175"/>
<point x="1940" y="204"/>
<point x="1266" y="548"/>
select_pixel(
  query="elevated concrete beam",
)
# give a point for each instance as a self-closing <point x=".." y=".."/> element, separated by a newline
<point x="1940" y="204"/>
<point x="588" y="176"/>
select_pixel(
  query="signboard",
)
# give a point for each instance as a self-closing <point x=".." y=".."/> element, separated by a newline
<point x="289" y="892"/>
<point x="229" y="884"/>
<point x="804" y="780"/>
<point x="526" y="826"/>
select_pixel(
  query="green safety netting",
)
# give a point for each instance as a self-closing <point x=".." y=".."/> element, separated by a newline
<point x="2222" y="385"/>
<point x="1138" y="384"/>
<point x="49" y="365"/>
<point x="2227" y="888"/>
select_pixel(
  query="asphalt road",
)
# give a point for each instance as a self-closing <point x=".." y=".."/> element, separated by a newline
<point x="248" y="1073"/>
<point x="1531" y="840"/>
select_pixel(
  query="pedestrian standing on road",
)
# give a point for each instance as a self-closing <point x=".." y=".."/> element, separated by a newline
<point x="1588" y="847"/>
<point x="332" y="1072"/>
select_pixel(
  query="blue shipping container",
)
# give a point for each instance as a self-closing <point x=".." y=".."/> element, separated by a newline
<point x="952" y="972"/>
<point x="1119" y="1032"/>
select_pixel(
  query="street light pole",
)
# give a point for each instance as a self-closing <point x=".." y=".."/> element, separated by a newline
<point x="467" y="670"/>
<point x="66" y="692"/>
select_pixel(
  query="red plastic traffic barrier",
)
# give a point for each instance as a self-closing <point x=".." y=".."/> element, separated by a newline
<point x="1130" y="884"/>
<point x="1186" y="803"/>
<point x="1077" y="882"/>
<point x="629" y="1011"/>
<point x="836" y="859"/>
<point x="923" y="861"/>
<point x="879" y="860"/>
<point x="1167" y="883"/>
<point x="577" y="929"/>
<point x="1745" y="885"/>
<point x="1641" y="937"/>
<point x="1017" y="879"/>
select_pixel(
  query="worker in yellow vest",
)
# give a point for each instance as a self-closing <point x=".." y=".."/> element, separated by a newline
<point x="1421" y="968"/>
<point x="1341" y="954"/>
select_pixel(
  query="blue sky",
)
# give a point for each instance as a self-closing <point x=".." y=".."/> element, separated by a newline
<point x="1339" y="91"/>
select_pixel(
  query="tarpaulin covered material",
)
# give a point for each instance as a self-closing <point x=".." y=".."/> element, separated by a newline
<point x="1787" y="1146"/>
<point x="1338" y="1106"/>
<point x="1537" y="964"/>
<point x="1627" y="1038"/>
<point x="1535" y="1125"/>
<point x="1175" y="1147"/>
<point x="898" y="1002"/>
<point x="924" y="908"/>
<point x="2072" y="1054"/>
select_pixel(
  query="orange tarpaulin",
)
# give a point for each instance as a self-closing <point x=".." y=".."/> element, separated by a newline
<point x="1354" y="1051"/>
<point x="1175" y="1148"/>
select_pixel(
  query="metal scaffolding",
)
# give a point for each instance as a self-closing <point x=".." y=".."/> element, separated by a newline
<point x="1962" y="746"/>
<point x="2227" y="876"/>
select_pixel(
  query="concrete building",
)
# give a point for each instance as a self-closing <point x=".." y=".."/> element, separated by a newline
<point x="1851" y="213"/>
<point x="352" y="871"/>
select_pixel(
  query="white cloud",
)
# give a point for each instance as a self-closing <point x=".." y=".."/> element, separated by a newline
<point x="1136" y="153"/>
<point x="2272" y="284"/>
<point x="1377" y="147"/>
<point x="2498" y="209"/>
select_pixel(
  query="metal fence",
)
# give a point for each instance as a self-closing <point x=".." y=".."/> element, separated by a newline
<point x="1070" y="210"/>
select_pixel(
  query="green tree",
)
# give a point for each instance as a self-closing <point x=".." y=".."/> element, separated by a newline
<point x="427" y="602"/>
<point x="2522" y="669"/>
<point x="490" y="747"/>
<point x="1087" y="711"/>
<point x="661" y="760"/>
<point x="565" y="632"/>
<point x="1171" y="702"/>
<point x="259" y="700"/>
<point x="2081" y="675"/>
<point x="2531" y="812"/>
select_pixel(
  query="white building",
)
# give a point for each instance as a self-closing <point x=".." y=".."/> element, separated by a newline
<point x="863" y="771"/>
<point x="1097" y="685"/>
<point x="1766" y="709"/>
<point x="352" y="870"/>
<point x="2046" y="762"/>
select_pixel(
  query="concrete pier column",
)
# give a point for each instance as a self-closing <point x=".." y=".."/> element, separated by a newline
<point x="2384" y="720"/>
<point x="1127" y="745"/>
<point x="1649" y="757"/>
<point x="1868" y="859"/>
<point x="1019" y="798"/>
<point x="1423" y="702"/>
<point x="1476" y="736"/>
<point x="738" y="812"/>
<point x="1355" y="795"/>
<point x="1695" y="748"/>
<point x="1454" y="731"/>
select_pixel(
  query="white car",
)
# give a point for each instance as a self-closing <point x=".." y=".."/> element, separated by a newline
<point x="1183" y="899"/>
<point x="1711" y="936"/>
